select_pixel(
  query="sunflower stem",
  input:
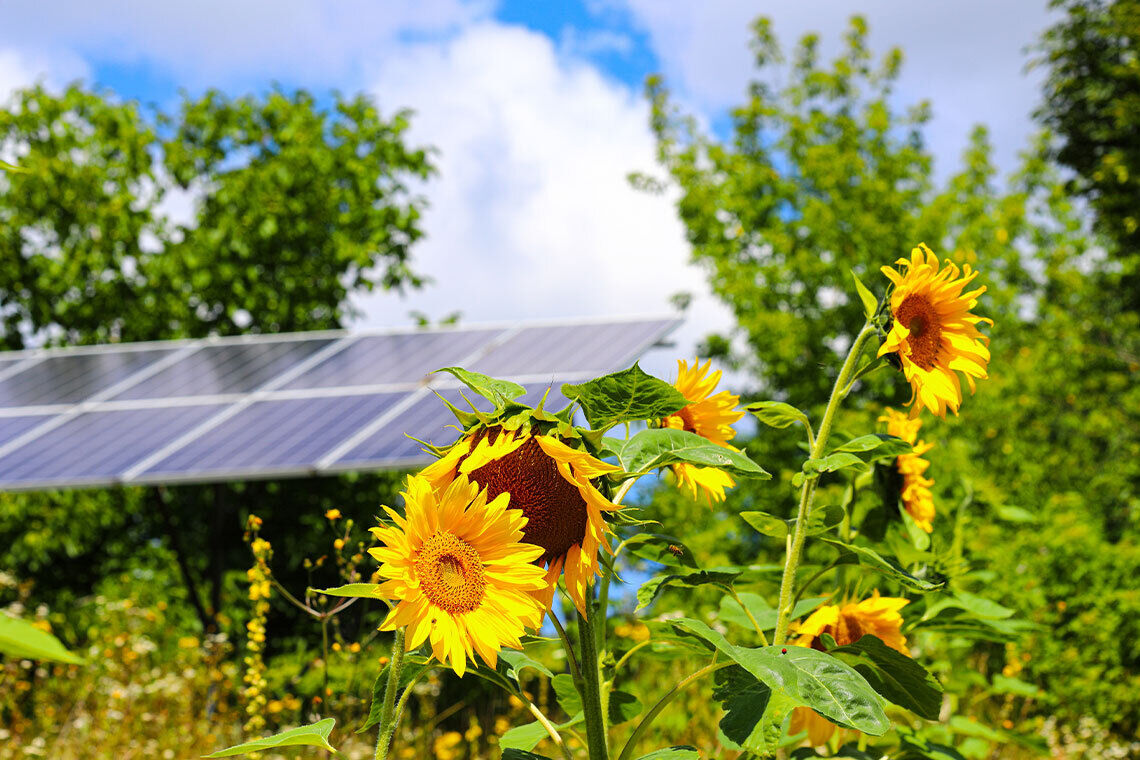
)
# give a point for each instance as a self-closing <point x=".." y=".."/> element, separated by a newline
<point x="591" y="691"/>
<point x="654" y="711"/>
<point x="807" y="492"/>
<point x="387" y="715"/>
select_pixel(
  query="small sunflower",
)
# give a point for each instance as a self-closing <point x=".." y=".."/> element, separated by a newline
<point x="709" y="416"/>
<point x="549" y="484"/>
<point x="934" y="333"/>
<point x="846" y="623"/>
<point x="916" y="495"/>
<point x="463" y="578"/>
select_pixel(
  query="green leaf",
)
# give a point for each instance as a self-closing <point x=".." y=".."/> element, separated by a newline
<point x="498" y="392"/>
<point x="361" y="590"/>
<point x="627" y="396"/>
<point x="1006" y="685"/>
<point x="875" y="446"/>
<point x="623" y="706"/>
<point x="568" y="697"/>
<point x="518" y="661"/>
<point x="777" y="414"/>
<point x="1015" y="514"/>
<point x="659" y="447"/>
<point x="815" y="679"/>
<point x="19" y="638"/>
<point x="822" y="519"/>
<point x="651" y="588"/>
<point x="412" y="665"/>
<point x="831" y="463"/>
<point x="870" y="303"/>
<point x="971" y="603"/>
<point x="678" y="752"/>
<point x="731" y="612"/>
<point x="887" y="566"/>
<point x="754" y="714"/>
<point x="13" y="168"/>
<point x="312" y="735"/>
<point x="525" y="737"/>
<point x="895" y="676"/>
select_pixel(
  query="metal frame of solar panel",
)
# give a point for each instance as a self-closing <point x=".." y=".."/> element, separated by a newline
<point x="289" y="405"/>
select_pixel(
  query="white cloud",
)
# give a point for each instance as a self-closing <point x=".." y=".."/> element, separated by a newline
<point x="967" y="57"/>
<point x="20" y="68"/>
<point x="531" y="213"/>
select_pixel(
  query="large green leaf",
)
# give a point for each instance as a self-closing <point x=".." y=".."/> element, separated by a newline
<point x="498" y="392"/>
<point x="971" y="603"/>
<point x="815" y="679"/>
<point x="651" y="588"/>
<point x="659" y="447"/>
<point x="887" y="566"/>
<point x="754" y="714"/>
<point x="525" y="737"/>
<point x="874" y="446"/>
<point x="895" y="676"/>
<point x="19" y="638"/>
<point x="627" y="396"/>
<point x="568" y="697"/>
<point x="312" y="735"/>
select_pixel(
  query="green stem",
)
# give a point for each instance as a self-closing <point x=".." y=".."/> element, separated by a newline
<point x="792" y="562"/>
<point x="388" y="714"/>
<point x="650" y="716"/>
<point x="629" y="654"/>
<point x="571" y="658"/>
<point x="591" y="692"/>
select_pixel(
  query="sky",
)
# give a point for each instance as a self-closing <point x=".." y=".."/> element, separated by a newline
<point x="537" y="112"/>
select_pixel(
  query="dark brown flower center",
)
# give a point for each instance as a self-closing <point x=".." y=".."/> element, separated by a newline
<point x="919" y="316"/>
<point x="555" y="511"/>
<point x="450" y="573"/>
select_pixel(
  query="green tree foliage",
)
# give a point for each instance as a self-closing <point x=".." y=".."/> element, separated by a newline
<point x="296" y="207"/>
<point x="823" y="174"/>
<point x="1092" y="103"/>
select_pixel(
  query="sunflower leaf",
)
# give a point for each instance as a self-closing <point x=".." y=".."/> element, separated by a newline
<point x="312" y="735"/>
<point x="413" y="663"/>
<point x="498" y="392"/>
<point x="895" y="676"/>
<point x="815" y="679"/>
<point x="361" y="590"/>
<point x="623" y="707"/>
<point x="21" y="639"/>
<point x="518" y="661"/>
<point x="754" y="714"/>
<point x="513" y="753"/>
<point x="627" y="396"/>
<point x="875" y="446"/>
<point x="651" y="588"/>
<point x="777" y="414"/>
<point x="870" y="303"/>
<point x="660" y="447"/>
<point x="677" y="752"/>
<point x="887" y="566"/>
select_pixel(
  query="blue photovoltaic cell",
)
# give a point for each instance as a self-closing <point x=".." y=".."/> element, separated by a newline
<point x="277" y="434"/>
<point x="403" y="358"/>
<point x="586" y="349"/>
<point x="99" y="446"/>
<point x="228" y="368"/>
<point x="428" y="419"/>
<point x="11" y="427"/>
<point x="70" y="378"/>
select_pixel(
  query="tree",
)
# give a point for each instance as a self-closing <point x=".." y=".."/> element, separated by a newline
<point x="295" y="208"/>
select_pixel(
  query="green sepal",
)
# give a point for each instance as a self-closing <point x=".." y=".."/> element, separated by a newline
<point x="870" y="303"/>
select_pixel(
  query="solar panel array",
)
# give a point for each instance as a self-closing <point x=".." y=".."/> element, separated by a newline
<point x="273" y="406"/>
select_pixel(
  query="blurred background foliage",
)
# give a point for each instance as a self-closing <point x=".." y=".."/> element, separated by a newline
<point x="1036" y="483"/>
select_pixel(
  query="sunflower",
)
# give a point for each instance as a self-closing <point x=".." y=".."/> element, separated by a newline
<point x="916" y="495"/>
<point x="934" y="334"/>
<point x="709" y="416"/>
<point x="549" y="482"/>
<point x="878" y="616"/>
<point x="463" y="578"/>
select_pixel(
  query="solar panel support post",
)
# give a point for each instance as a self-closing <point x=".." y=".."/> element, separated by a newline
<point x="157" y="495"/>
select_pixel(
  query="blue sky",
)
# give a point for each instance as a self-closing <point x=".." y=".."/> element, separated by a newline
<point x="537" y="112"/>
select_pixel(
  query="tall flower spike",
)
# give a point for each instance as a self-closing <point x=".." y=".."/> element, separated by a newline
<point x="934" y="333"/>
<point x="916" y="495"/>
<point x="549" y="482"/>
<point x="461" y="575"/>
<point x="846" y="623"/>
<point x="710" y="416"/>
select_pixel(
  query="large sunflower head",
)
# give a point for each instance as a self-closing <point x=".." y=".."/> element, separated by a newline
<point x="846" y="623"/>
<point x="934" y="333"/>
<point x="916" y="494"/>
<point x="460" y="572"/>
<point x="549" y="480"/>
<point x="709" y="415"/>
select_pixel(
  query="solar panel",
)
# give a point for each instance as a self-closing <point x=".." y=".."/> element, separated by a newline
<point x="254" y="407"/>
